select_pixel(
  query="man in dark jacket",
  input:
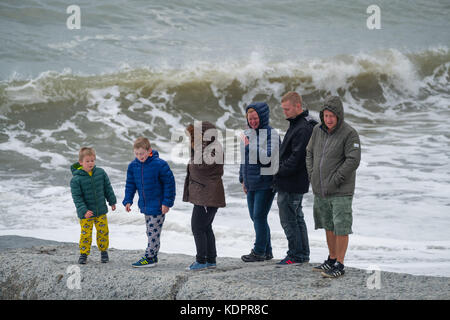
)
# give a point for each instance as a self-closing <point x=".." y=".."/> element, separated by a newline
<point x="333" y="155"/>
<point x="291" y="181"/>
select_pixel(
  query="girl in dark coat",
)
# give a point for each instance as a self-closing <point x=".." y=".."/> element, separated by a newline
<point x="203" y="187"/>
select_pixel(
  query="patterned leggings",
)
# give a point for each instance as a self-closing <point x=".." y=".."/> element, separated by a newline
<point x="154" y="225"/>
<point x="101" y="225"/>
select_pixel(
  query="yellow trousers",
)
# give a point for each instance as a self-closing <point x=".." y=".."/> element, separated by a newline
<point x="101" y="225"/>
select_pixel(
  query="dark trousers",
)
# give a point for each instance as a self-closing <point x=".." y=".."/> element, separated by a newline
<point x="294" y="226"/>
<point x="205" y="242"/>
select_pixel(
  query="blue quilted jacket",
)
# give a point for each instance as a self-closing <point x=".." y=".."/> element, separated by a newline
<point x="154" y="182"/>
<point x="250" y="173"/>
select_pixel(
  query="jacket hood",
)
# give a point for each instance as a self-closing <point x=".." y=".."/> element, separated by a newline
<point x="155" y="154"/>
<point x="77" y="169"/>
<point x="263" y="111"/>
<point x="206" y="125"/>
<point x="333" y="104"/>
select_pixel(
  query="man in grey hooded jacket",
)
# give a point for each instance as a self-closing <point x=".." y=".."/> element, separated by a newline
<point x="332" y="157"/>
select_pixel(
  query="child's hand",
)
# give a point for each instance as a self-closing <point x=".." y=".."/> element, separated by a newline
<point x="113" y="207"/>
<point x="88" y="214"/>
<point x="127" y="207"/>
<point x="164" y="209"/>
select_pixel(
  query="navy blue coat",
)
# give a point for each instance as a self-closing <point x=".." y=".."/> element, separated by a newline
<point x="249" y="172"/>
<point x="154" y="182"/>
<point x="292" y="175"/>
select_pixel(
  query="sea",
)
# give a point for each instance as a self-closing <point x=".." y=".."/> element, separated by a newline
<point x="102" y="73"/>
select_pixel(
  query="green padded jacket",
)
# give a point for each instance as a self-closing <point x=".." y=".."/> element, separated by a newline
<point x="91" y="192"/>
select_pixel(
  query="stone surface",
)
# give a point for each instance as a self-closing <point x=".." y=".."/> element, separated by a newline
<point x="49" y="270"/>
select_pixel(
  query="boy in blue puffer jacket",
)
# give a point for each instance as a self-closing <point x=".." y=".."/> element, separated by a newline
<point x="152" y="178"/>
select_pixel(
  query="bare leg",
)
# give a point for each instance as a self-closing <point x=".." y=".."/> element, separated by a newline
<point x="341" y="247"/>
<point x="331" y="242"/>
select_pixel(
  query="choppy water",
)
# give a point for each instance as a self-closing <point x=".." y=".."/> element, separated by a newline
<point x="152" y="67"/>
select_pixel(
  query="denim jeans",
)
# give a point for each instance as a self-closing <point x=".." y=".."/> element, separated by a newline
<point x="294" y="226"/>
<point x="259" y="203"/>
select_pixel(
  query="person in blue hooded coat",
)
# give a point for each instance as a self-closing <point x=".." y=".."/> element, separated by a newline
<point x="259" y="154"/>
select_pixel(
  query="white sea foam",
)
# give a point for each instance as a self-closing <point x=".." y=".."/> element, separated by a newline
<point x="16" y="145"/>
<point x="78" y="40"/>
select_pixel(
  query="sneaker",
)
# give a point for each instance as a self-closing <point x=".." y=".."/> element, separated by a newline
<point x="145" y="262"/>
<point x="253" y="257"/>
<point x="104" y="256"/>
<point x="336" y="271"/>
<point x="286" y="261"/>
<point x="326" y="265"/>
<point x="195" y="266"/>
<point x="268" y="256"/>
<point x="82" y="259"/>
<point x="211" y="265"/>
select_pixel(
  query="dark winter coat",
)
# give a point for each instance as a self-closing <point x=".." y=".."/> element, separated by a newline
<point x="250" y="172"/>
<point x="90" y="192"/>
<point x="292" y="175"/>
<point x="203" y="184"/>
<point x="154" y="182"/>
<point x="332" y="158"/>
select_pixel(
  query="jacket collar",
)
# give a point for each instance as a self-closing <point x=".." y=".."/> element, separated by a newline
<point x="152" y="156"/>
<point x="77" y="169"/>
<point x="304" y="114"/>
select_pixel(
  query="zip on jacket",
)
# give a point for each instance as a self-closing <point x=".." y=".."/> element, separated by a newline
<point x="320" y="167"/>
<point x="142" y="181"/>
<point x="95" y="193"/>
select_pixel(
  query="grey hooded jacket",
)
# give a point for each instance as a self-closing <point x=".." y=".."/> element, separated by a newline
<point x="332" y="158"/>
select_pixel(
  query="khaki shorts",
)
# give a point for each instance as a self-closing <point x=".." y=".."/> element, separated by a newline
<point x="334" y="214"/>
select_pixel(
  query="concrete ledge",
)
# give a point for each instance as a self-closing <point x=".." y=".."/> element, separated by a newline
<point x="49" y="270"/>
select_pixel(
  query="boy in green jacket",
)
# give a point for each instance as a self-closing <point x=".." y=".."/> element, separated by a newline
<point x="90" y="187"/>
